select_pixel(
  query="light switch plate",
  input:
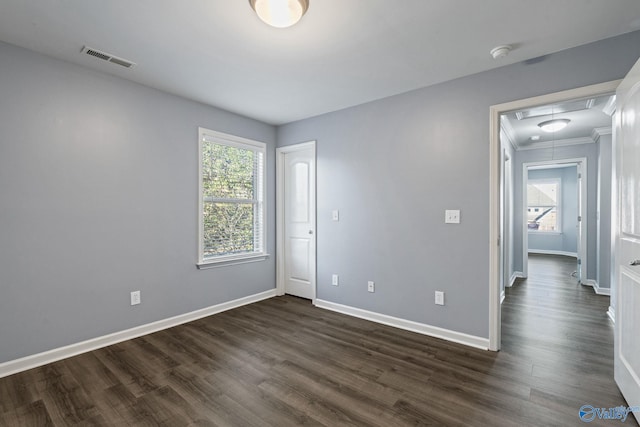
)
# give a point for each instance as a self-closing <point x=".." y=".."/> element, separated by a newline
<point x="135" y="297"/>
<point x="335" y="215"/>
<point x="334" y="280"/>
<point x="452" y="216"/>
<point x="439" y="298"/>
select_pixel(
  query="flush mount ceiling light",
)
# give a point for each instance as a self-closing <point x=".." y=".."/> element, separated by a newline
<point x="554" y="125"/>
<point x="280" y="13"/>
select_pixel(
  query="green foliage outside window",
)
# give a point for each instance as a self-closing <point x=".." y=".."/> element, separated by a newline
<point x="231" y="210"/>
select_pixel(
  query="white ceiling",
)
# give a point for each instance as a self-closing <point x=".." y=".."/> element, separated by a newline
<point x="342" y="53"/>
<point x="589" y="119"/>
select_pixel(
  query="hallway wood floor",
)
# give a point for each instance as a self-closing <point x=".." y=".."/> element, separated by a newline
<point x="283" y="362"/>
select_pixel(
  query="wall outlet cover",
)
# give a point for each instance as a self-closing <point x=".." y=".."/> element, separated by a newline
<point x="452" y="216"/>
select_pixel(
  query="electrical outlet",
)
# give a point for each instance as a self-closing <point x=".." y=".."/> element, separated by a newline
<point x="334" y="280"/>
<point x="335" y="215"/>
<point x="439" y="298"/>
<point x="452" y="216"/>
<point x="371" y="287"/>
<point x="135" y="297"/>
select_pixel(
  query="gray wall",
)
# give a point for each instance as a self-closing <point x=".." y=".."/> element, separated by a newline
<point x="567" y="239"/>
<point x="393" y="166"/>
<point x="98" y="178"/>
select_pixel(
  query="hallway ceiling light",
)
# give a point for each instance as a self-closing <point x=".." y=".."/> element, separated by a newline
<point x="280" y="13"/>
<point x="554" y="125"/>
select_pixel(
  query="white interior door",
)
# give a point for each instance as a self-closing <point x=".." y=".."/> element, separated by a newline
<point x="627" y="140"/>
<point x="298" y="220"/>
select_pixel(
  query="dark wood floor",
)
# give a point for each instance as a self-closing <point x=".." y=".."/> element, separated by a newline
<point x="283" y="362"/>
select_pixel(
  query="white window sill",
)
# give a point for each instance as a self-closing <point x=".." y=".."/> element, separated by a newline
<point x="224" y="261"/>
<point x="546" y="233"/>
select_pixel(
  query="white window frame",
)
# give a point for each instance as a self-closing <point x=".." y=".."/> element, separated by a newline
<point x="558" y="182"/>
<point x="211" y="136"/>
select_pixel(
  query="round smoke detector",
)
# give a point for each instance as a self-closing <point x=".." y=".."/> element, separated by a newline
<point x="500" y="51"/>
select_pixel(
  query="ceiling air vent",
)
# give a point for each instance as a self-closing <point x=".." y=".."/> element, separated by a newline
<point x="107" y="57"/>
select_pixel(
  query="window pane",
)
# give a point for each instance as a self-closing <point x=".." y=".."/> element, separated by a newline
<point x="228" y="229"/>
<point x="228" y="172"/>
<point x="231" y="214"/>
<point x="549" y="221"/>
<point x="542" y="210"/>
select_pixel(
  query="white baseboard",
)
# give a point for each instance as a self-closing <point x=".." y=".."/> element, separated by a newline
<point x="612" y="314"/>
<point x="548" y="252"/>
<point x="515" y="276"/>
<point x="596" y="287"/>
<point x="35" y="360"/>
<point x="421" y="328"/>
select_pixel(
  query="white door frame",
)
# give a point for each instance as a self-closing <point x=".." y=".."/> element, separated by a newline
<point x="582" y="244"/>
<point x="505" y="233"/>
<point x="495" y="326"/>
<point x="280" y="220"/>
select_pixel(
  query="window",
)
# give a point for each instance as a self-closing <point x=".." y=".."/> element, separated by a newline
<point x="232" y="189"/>
<point x="543" y="205"/>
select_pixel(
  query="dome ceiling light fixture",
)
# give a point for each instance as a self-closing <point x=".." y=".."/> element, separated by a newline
<point x="280" y="13"/>
<point x="554" y="125"/>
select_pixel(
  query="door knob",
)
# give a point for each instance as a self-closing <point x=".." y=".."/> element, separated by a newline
<point x="311" y="232"/>
<point x="634" y="262"/>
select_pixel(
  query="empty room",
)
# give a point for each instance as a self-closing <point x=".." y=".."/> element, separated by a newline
<point x="286" y="212"/>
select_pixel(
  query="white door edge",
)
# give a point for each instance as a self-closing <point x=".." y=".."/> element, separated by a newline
<point x="280" y="225"/>
<point x="495" y="327"/>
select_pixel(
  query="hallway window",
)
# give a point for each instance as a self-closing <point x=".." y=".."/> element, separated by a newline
<point x="543" y="199"/>
<point x="232" y="188"/>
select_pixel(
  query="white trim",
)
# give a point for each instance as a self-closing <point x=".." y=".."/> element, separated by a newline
<point x="612" y="314"/>
<point x="599" y="132"/>
<point x="228" y="139"/>
<point x="556" y="143"/>
<point x="509" y="133"/>
<point x="231" y="260"/>
<point x="515" y="276"/>
<point x="582" y="166"/>
<point x="260" y="196"/>
<point x="503" y="295"/>
<point x="280" y="225"/>
<point x="494" y="190"/>
<point x="551" y="252"/>
<point x="407" y="325"/>
<point x="544" y="233"/>
<point x="495" y="187"/>
<point x="35" y="360"/>
<point x="596" y="287"/>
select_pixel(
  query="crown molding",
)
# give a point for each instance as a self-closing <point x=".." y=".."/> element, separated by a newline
<point x="558" y="143"/>
<point x="610" y="106"/>
<point x="509" y="132"/>
<point x="598" y="132"/>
